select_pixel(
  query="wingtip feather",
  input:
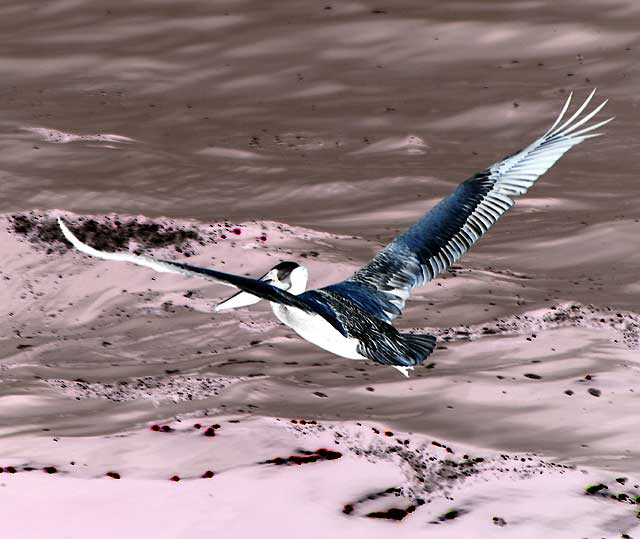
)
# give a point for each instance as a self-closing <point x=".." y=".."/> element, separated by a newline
<point x="577" y="113"/>
<point x="561" y="115"/>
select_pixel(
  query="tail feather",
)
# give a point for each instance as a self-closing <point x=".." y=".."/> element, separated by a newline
<point x="402" y="350"/>
<point x="420" y="346"/>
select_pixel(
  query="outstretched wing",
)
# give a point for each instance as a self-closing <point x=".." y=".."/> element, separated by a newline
<point x="255" y="287"/>
<point x="446" y="232"/>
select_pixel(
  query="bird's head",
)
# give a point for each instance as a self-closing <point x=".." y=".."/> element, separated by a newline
<point x="288" y="276"/>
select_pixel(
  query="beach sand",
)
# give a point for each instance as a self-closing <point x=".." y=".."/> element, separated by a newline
<point x="234" y="135"/>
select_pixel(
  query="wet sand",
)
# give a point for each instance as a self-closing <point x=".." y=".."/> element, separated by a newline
<point x="235" y="136"/>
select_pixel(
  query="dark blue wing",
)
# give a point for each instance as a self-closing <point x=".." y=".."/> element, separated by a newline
<point x="255" y="287"/>
<point x="446" y="232"/>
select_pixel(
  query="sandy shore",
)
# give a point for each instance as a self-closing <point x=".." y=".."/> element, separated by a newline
<point x="110" y="394"/>
<point x="233" y="135"/>
<point x="344" y="478"/>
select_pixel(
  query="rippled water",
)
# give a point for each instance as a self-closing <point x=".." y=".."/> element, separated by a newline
<point x="330" y="127"/>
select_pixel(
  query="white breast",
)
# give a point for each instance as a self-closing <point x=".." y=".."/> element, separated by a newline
<point x="316" y="330"/>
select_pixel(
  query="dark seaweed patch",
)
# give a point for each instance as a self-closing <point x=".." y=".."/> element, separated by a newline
<point x="306" y="457"/>
<point x="391" y="514"/>
<point x="449" y="515"/>
<point x="110" y="235"/>
<point x="394" y="513"/>
<point x="445" y="447"/>
<point x="594" y="489"/>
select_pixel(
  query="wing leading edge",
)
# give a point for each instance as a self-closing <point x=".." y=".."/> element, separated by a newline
<point x="255" y="287"/>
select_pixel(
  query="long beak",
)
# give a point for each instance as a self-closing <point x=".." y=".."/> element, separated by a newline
<point x="240" y="299"/>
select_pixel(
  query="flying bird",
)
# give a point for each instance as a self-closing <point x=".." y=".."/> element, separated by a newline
<point x="353" y="318"/>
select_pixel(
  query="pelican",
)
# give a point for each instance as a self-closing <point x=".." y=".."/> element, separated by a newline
<point x="353" y="318"/>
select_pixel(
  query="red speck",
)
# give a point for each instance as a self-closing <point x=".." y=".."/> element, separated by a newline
<point x="215" y="426"/>
<point x="208" y="474"/>
<point x="388" y="433"/>
<point x="294" y="421"/>
<point x="175" y="478"/>
<point x="197" y="426"/>
<point x="166" y="428"/>
<point x="237" y="231"/>
<point x="347" y="509"/>
<point x="49" y="469"/>
<point x="223" y="236"/>
<point x="263" y="238"/>
<point x="10" y="469"/>
<point x="155" y="428"/>
<point x="114" y="475"/>
<point x="210" y="432"/>
<point x="303" y="422"/>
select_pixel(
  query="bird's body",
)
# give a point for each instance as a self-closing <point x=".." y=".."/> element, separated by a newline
<point x="317" y="330"/>
<point x="353" y="318"/>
